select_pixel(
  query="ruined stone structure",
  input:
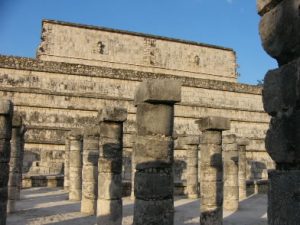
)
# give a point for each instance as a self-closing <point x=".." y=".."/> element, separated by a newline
<point x="153" y="151"/>
<point x="6" y="114"/>
<point x="67" y="164"/>
<point x="75" y="170"/>
<point x="90" y="157"/>
<point x="109" y="203"/>
<point x="81" y="69"/>
<point x="211" y="184"/>
<point x="231" y="172"/>
<point x="15" y="163"/>
<point x="280" y="32"/>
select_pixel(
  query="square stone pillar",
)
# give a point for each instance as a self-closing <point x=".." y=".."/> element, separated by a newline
<point x="90" y="170"/>
<point x="242" y="144"/>
<point x="153" y="152"/>
<point x="230" y="166"/>
<point x="14" y="163"/>
<point x="22" y="139"/>
<point x="6" y="114"/>
<point x="211" y="184"/>
<point x="67" y="163"/>
<point x="109" y="203"/>
<point x="75" y="164"/>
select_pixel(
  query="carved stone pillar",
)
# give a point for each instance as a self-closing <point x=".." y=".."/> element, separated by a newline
<point x="6" y="114"/>
<point x="90" y="170"/>
<point x="109" y="204"/>
<point x="231" y="169"/>
<point x="153" y="152"/>
<point x="211" y="184"/>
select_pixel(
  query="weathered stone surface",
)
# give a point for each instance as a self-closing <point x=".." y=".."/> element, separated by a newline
<point x="6" y="107"/>
<point x="110" y="149"/>
<point x="109" y="212"/>
<point x="112" y="114"/>
<point x="212" y="155"/>
<point x="264" y="6"/>
<point x="88" y="206"/>
<point x="211" y="137"/>
<point x="154" y="212"/>
<point x="162" y="91"/>
<point x="213" y="123"/>
<point x="111" y="130"/>
<point x="283" y="195"/>
<point x="110" y="186"/>
<point x="242" y="143"/>
<point x="67" y="164"/>
<point x="281" y="43"/>
<point x="110" y="165"/>
<point x="153" y="150"/>
<point x="212" y="217"/>
<point x="154" y="119"/>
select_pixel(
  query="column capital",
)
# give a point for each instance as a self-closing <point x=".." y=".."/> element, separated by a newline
<point x="213" y="123"/>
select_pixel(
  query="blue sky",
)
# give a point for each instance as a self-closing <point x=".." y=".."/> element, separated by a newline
<point x="228" y="23"/>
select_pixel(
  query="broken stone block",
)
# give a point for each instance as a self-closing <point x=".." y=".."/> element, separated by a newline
<point x="280" y="41"/>
<point x="162" y="91"/>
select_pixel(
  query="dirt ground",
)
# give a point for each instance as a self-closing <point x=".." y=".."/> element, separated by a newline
<point x="50" y="206"/>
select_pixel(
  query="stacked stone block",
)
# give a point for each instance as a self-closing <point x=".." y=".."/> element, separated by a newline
<point x="22" y="139"/>
<point x="15" y="162"/>
<point x="242" y="143"/>
<point x="109" y="203"/>
<point x="75" y="163"/>
<point x="67" y="164"/>
<point x="90" y="170"/>
<point x="153" y="151"/>
<point x="280" y="35"/>
<point x="231" y="169"/>
<point x="211" y="183"/>
<point x="6" y="113"/>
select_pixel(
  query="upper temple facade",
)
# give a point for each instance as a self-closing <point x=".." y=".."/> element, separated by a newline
<point x="90" y="45"/>
<point x="81" y="69"/>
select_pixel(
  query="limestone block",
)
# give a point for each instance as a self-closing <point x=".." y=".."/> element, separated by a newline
<point x="90" y="158"/>
<point x="110" y="150"/>
<point x="89" y="190"/>
<point x="153" y="150"/>
<point x="154" y="212"/>
<point x="212" y="193"/>
<point x="264" y="6"/>
<point x="90" y="145"/>
<point x="280" y="140"/>
<point x="243" y="141"/>
<point x="16" y="120"/>
<point x="88" y="206"/>
<point x="112" y="114"/>
<point x="153" y="185"/>
<point x="212" y="154"/>
<point x="211" y="137"/>
<point x="111" y="130"/>
<point x="184" y="142"/>
<point x="75" y="194"/>
<point x="109" y="212"/>
<point x="163" y="91"/>
<point x="213" y="123"/>
<point x="110" y="186"/>
<point x="75" y="158"/>
<point x="283" y="195"/>
<point x="89" y="173"/>
<point x="210" y="174"/>
<point x="279" y="42"/>
<point x="154" y="119"/>
<point x="281" y="90"/>
<point x="229" y="139"/>
<point x="6" y="107"/>
<point x="229" y="148"/>
<point x="111" y="165"/>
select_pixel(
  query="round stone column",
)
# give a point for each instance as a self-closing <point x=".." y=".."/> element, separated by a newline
<point x="90" y="170"/>
<point x="6" y="114"/>
<point x="211" y="184"/>
<point x="109" y="203"/>
<point x="154" y="152"/>
<point x="14" y="163"/>
<point x="22" y="139"/>
<point x="230" y="166"/>
<point x="75" y="170"/>
<point x="242" y="143"/>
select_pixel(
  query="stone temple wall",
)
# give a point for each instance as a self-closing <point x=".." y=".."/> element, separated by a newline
<point x="57" y="92"/>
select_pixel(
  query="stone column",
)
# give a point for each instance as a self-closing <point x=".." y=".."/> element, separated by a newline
<point x="90" y="170"/>
<point x="75" y="170"/>
<point x="231" y="169"/>
<point x="191" y="144"/>
<point x="67" y="163"/>
<point x="6" y="113"/>
<point x="22" y="139"/>
<point x="211" y="184"/>
<point x="109" y="204"/>
<point x="242" y="143"/>
<point x="14" y="163"/>
<point x="154" y="152"/>
<point x="280" y="35"/>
